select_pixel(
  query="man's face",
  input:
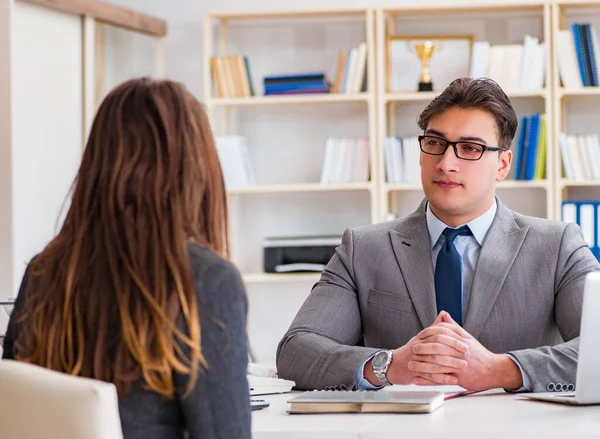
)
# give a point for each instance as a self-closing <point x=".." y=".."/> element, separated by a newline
<point x="460" y="190"/>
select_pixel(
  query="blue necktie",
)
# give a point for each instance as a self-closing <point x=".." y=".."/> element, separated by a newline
<point x="448" y="275"/>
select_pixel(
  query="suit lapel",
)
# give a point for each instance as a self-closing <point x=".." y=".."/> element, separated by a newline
<point x="413" y="253"/>
<point x="498" y="252"/>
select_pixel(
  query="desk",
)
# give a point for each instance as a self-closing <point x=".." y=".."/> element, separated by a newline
<point x="492" y="414"/>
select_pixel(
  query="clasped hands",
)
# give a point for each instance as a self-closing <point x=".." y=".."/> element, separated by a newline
<point x="445" y="354"/>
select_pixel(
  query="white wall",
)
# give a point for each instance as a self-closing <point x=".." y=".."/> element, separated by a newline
<point x="127" y="54"/>
<point x="47" y="125"/>
<point x="6" y="275"/>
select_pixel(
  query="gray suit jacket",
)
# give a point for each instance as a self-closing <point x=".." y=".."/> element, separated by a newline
<point x="219" y="404"/>
<point x="378" y="291"/>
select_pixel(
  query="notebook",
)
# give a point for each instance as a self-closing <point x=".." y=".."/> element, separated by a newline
<point x="365" y="401"/>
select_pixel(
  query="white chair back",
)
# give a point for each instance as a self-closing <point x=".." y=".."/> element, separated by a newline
<point x="37" y="403"/>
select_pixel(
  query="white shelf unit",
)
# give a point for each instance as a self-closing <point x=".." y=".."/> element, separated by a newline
<point x="575" y="110"/>
<point x="498" y="23"/>
<point x="283" y="173"/>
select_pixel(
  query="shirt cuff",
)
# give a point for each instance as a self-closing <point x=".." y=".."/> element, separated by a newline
<point x="359" y="377"/>
<point x="526" y="387"/>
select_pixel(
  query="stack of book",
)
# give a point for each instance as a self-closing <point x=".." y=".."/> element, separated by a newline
<point x="530" y="151"/>
<point x="578" y="56"/>
<point x="401" y="158"/>
<point x="235" y="161"/>
<point x="231" y="76"/>
<point x="513" y="66"/>
<point x="346" y="161"/>
<point x="296" y="84"/>
<point x="351" y="70"/>
<point x="580" y="156"/>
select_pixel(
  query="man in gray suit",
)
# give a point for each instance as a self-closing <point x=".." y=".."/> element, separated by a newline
<point x="462" y="291"/>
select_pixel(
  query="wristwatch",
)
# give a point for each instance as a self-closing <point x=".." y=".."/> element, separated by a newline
<point x="381" y="362"/>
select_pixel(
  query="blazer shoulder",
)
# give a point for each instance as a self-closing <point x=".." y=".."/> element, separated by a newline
<point x="370" y="234"/>
<point x="202" y="259"/>
<point x="207" y="266"/>
<point x="540" y="226"/>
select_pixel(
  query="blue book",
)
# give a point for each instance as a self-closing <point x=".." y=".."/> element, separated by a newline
<point x="295" y="77"/>
<point x="586" y="55"/>
<point x="526" y="144"/>
<point x="591" y="56"/>
<point x="520" y="145"/>
<point x="534" y="132"/>
<point x="597" y="246"/>
<point x="296" y="86"/>
<point x="580" y="53"/>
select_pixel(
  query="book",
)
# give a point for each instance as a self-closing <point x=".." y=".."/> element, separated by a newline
<point x="365" y="401"/>
<point x="447" y="390"/>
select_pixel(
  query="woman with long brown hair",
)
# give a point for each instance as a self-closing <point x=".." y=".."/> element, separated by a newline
<point x="136" y="289"/>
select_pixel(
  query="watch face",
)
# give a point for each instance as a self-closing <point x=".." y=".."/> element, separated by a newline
<point x="380" y="360"/>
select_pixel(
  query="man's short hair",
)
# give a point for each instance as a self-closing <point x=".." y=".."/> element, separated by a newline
<point x="481" y="93"/>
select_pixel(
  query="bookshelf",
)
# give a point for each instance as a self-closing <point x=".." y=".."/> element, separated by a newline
<point x="226" y="33"/>
<point x="500" y="24"/>
<point x="575" y="109"/>
<point x="287" y="137"/>
<point x="288" y="197"/>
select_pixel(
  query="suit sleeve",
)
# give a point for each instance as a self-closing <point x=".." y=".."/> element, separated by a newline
<point x="320" y="348"/>
<point x="219" y="404"/>
<point x="558" y="364"/>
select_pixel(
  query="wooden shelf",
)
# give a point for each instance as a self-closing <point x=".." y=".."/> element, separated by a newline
<point x="451" y="7"/>
<point x="523" y="184"/>
<point x="270" y="278"/>
<point x="429" y="95"/>
<point x="583" y="91"/>
<point x="321" y="98"/>
<point x="578" y="183"/>
<point x="506" y="184"/>
<point x="287" y="13"/>
<point x="299" y="188"/>
<point x="578" y="3"/>
<point x="402" y="187"/>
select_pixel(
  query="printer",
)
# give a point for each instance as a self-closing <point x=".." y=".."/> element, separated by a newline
<point x="298" y="253"/>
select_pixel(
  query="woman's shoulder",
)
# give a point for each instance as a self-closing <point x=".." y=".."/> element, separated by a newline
<point x="208" y="266"/>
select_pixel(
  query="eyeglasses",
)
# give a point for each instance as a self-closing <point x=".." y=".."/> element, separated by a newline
<point x="463" y="150"/>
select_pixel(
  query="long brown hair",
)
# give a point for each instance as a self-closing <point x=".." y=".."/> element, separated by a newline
<point x="107" y="291"/>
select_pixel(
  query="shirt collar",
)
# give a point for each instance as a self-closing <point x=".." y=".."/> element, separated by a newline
<point x="479" y="226"/>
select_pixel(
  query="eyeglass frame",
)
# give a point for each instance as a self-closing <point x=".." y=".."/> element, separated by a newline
<point x="453" y="144"/>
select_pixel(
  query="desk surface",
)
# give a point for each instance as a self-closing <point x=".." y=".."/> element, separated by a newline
<point x="493" y="414"/>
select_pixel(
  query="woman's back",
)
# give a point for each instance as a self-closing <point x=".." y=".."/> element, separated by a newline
<point x="218" y="393"/>
<point x="218" y="405"/>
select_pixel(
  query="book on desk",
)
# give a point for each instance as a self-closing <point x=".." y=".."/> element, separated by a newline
<point x="365" y="401"/>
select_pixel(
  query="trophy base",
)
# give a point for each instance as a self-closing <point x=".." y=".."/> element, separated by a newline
<point x="425" y="86"/>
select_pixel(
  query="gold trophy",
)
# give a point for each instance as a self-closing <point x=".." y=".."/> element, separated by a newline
<point x="424" y="52"/>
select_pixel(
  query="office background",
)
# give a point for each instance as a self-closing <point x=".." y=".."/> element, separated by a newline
<point x="41" y="90"/>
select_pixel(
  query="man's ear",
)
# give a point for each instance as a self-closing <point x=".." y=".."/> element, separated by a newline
<point x="504" y="162"/>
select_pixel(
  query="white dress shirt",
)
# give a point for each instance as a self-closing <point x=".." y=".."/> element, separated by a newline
<point x="468" y="247"/>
